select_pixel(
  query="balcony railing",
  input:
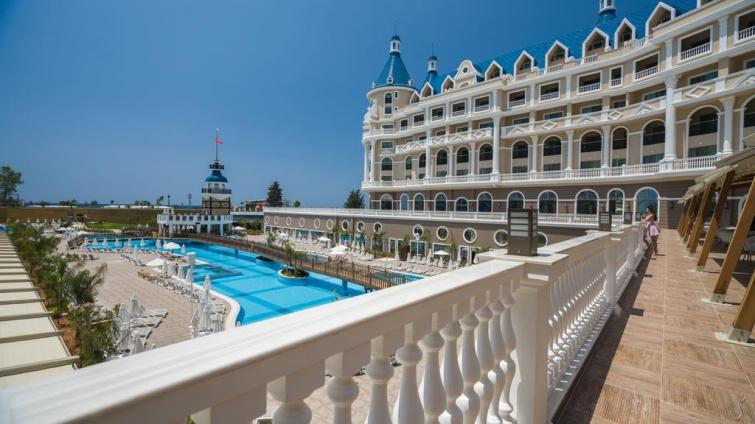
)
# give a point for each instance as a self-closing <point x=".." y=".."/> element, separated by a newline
<point x="550" y="96"/>
<point x="516" y="103"/>
<point x="589" y="88"/>
<point x="459" y="325"/>
<point x="590" y="59"/>
<point x="645" y="73"/>
<point x="555" y="68"/>
<point x="216" y="191"/>
<point x="617" y="82"/>
<point x="460" y="112"/>
<point x="746" y="33"/>
<point x="695" y="51"/>
<point x="482" y="108"/>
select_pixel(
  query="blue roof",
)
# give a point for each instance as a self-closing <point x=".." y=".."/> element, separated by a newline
<point x="396" y="71"/>
<point x="216" y="177"/>
<point x="607" y="23"/>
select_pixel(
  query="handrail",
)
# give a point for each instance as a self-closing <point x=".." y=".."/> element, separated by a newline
<point x="695" y="51"/>
<point x="645" y="73"/>
<point x="746" y="33"/>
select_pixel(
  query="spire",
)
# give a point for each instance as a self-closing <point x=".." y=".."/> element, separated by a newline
<point x="394" y="72"/>
<point x="218" y="142"/>
<point x="607" y="10"/>
<point x="432" y="62"/>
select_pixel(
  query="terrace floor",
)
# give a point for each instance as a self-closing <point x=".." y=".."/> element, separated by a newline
<point x="659" y="362"/>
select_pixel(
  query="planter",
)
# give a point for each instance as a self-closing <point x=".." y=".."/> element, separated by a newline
<point x="301" y="275"/>
<point x="403" y="252"/>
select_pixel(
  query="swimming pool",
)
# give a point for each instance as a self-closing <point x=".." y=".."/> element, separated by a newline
<point x="256" y="285"/>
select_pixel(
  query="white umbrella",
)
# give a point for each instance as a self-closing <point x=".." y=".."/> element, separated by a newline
<point x="165" y="267"/>
<point x="141" y="243"/>
<point x="396" y="256"/>
<point x="190" y="276"/>
<point x="323" y="239"/>
<point x="183" y="249"/>
<point x="155" y="263"/>
<point x="136" y="308"/>
<point x="171" y="246"/>
<point x="239" y="228"/>
<point x="158" y="243"/>
<point x="440" y="253"/>
<point x="137" y="345"/>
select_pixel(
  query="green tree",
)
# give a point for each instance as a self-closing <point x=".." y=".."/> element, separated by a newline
<point x="81" y="284"/>
<point x="9" y="182"/>
<point x="94" y="329"/>
<point x="296" y="204"/>
<point x="44" y="203"/>
<point x="275" y="195"/>
<point x="355" y="200"/>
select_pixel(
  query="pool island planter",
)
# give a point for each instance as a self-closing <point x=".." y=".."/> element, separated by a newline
<point x="304" y="274"/>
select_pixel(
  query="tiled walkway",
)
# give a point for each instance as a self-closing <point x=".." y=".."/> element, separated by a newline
<point x="659" y="362"/>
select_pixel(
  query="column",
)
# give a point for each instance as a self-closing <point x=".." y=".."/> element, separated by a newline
<point x="669" y="56"/>
<point x="606" y="146"/>
<point x="373" y="152"/>
<point x="428" y="155"/>
<point x="366" y="174"/>
<point x="472" y="159"/>
<point x="728" y="103"/>
<point x="723" y="29"/>
<point x="569" y="149"/>
<point x="534" y="154"/>
<point x="451" y="161"/>
<point x="568" y="87"/>
<point x="670" y="144"/>
<point x="496" y="145"/>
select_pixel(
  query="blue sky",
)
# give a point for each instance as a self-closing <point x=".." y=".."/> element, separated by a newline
<point x="104" y="100"/>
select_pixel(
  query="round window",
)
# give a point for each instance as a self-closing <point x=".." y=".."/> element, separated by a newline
<point x="288" y="221"/>
<point x="377" y="227"/>
<point x="418" y="231"/>
<point x="345" y="225"/>
<point x="267" y="220"/>
<point x="317" y="223"/>
<point x="330" y="224"/>
<point x="464" y="70"/>
<point x="442" y="233"/>
<point x="276" y="220"/>
<point x="542" y="239"/>
<point x="301" y="222"/>
<point x="470" y="235"/>
<point x="501" y="238"/>
<point x="360" y="226"/>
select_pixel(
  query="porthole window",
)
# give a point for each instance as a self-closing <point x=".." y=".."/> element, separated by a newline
<point x="317" y="222"/>
<point x="418" y="231"/>
<point x="441" y="233"/>
<point x="301" y="222"/>
<point x="276" y="220"/>
<point x="470" y="235"/>
<point x="501" y="238"/>
<point x="542" y="239"/>
<point x="267" y="220"/>
<point x="345" y="225"/>
<point x="464" y="70"/>
<point x="330" y="224"/>
<point x="360" y="226"/>
<point x="377" y="227"/>
<point x="288" y="221"/>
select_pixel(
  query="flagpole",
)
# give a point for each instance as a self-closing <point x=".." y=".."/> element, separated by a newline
<point x="217" y="135"/>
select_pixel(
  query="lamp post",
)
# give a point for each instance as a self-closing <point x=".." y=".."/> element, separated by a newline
<point x="522" y="232"/>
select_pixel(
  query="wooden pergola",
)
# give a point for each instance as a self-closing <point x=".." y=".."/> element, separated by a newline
<point x="733" y="171"/>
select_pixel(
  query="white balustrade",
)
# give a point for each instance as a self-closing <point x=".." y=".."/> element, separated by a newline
<point x="695" y="51"/>
<point x="516" y="103"/>
<point x="589" y="88"/>
<point x="746" y="33"/>
<point x="645" y="73"/>
<point x="617" y="82"/>
<point x="549" y="96"/>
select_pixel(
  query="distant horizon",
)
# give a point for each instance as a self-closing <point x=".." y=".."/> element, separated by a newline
<point x="120" y="101"/>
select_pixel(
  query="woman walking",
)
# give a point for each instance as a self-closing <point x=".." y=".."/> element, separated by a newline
<point x="651" y="231"/>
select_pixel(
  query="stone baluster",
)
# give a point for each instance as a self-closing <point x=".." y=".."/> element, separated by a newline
<point x="408" y="408"/>
<point x="237" y="410"/>
<point x="498" y="346"/>
<point x="484" y="387"/>
<point x="469" y="401"/>
<point x="342" y="389"/>
<point x="380" y="371"/>
<point x="433" y="395"/>
<point x="452" y="382"/>
<point x="506" y="406"/>
<point x="292" y="389"/>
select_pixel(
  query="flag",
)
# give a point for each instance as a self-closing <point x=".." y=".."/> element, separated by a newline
<point x="217" y="137"/>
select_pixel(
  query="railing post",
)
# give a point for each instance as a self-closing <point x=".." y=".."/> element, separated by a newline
<point x="342" y="389"/>
<point x="379" y="372"/>
<point x="292" y="390"/>
<point x="609" y="286"/>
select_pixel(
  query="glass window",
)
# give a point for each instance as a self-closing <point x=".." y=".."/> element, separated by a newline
<point x="470" y="235"/>
<point x="501" y="238"/>
<point x="419" y="202"/>
<point x="619" y="139"/>
<point x="616" y="202"/>
<point x="442" y="233"/>
<point x="654" y="133"/>
<point x="486" y="152"/>
<point x="587" y="203"/>
<point x="547" y="202"/>
<point x="520" y="150"/>
<point x="440" y="202"/>
<point x="462" y="155"/>
<point x="591" y="109"/>
<point x="485" y="203"/>
<point x="462" y="205"/>
<point x="704" y="77"/>
<point x="655" y="95"/>
<point x="516" y="200"/>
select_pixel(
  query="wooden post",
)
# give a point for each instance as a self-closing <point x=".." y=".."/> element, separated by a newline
<point x="715" y="220"/>
<point x="741" y="328"/>
<point x="692" y="216"/>
<point x="701" y="212"/>
<point x="735" y="247"/>
<point x="683" y="218"/>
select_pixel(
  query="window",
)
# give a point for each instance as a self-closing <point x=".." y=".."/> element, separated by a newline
<point x="704" y="77"/>
<point x="436" y="113"/>
<point x="589" y="164"/>
<point x="485" y="203"/>
<point x="588" y="83"/>
<point x="470" y="235"/>
<point x="461" y="129"/>
<point x="553" y="115"/>
<point x="404" y="202"/>
<point x="462" y="205"/>
<point x="551" y="167"/>
<point x="520" y="150"/>
<point x="440" y="202"/>
<point x="501" y="238"/>
<point x="587" y="203"/>
<point x="487" y="124"/>
<point x="404" y="124"/>
<point x="654" y="95"/>
<point x="408" y="163"/>
<point x="419" y="202"/>
<point x="520" y="121"/>
<point x="549" y="91"/>
<point x="591" y="142"/>
<point x="360" y="226"/>
<point x="625" y="33"/>
<point x="652" y="158"/>
<point x="386" y="202"/>
<point x="547" y="202"/>
<point x="441" y="233"/>
<point x="458" y="108"/>
<point x="525" y="64"/>
<point x="591" y="109"/>
<point x="619" y="139"/>
<point x="516" y="200"/>
<point x="442" y="158"/>
<point x="386" y="165"/>
<point x="422" y="160"/>
<point x="517" y="98"/>
<point x="750" y="64"/>
<point x="618" y="162"/>
<point x="486" y="152"/>
<point x="462" y="155"/>
<point x="704" y="121"/>
<point x="618" y="104"/>
<point x="418" y="119"/>
<point x="646" y="67"/>
<point x="386" y="145"/>
<point x="481" y="103"/>
<point x="519" y="169"/>
<point x="418" y="231"/>
<point x="440" y="133"/>
<point x="749" y="119"/>
<point x="345" y="225"/>
<point x="552" y="147"/>
<point x="388" y="103"/>
<point x="654" y="133"/>
<point x="695" y="45"/>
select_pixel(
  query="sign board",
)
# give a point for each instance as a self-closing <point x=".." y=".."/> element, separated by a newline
<point x="604" y="221"/>
<point x="522" y="232"/>
<point x="628" y="218"/>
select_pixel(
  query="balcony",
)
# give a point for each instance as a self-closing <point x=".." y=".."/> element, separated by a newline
<point x="549" y="96"/>
<point x="216" y="191"/>
<point x="645" y="73"/>
<point x="482" y="108"/>
<point x="617" y="82"/>
<point x="695" y="51"/>
<point x="517" y="103"/>
<point x="590" y="59"/>
<point x="458" y="112"/>
<point x="746" y="34"/>
<point x="588" y="88"/>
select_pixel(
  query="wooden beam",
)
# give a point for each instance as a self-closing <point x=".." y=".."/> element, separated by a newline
<point x="715" y="220"/>
<point x="692" y="216"/>
<point x="697" y="227"/>
<point x="735" y="247"/>
<point x="745" y="318"/>
<point x="682" y="217"/>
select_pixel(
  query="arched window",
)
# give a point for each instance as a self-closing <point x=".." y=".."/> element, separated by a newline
<point x="653" y="135"/>
<point x="493" y="72"/>
<point x="619" y="147"/>
<point x="404" y="202"/>
<point x="547" y="202"/>
<point x="485" y="202"/>
<point x="515" y="200"/>
<point x="408" y="163"/>
<point x="419" y="202"/>
<point x="591" y="142"/>
<point x="386" y="164"/>
<point x="587" y="203"/>
<point x="462" y="205"/>
<point x="486" y="152"/>
<point x="386" y="202"/>
<point x="616" y="202"/>
<point x="703" y="132"/>
<point x="595" y="43"/>
<point x="520" y="150"/>
<point x="749" y="114"/>
<point x="552" y="147"/>
<point x="388" y="102"/>
<point x="462" y="155"/>
<point x="440" y="202"/>
<point x="442" y="158"/>
<point x="422" y="161"/>
<point x="624" y="33"/>
<point x="646" y="198"/>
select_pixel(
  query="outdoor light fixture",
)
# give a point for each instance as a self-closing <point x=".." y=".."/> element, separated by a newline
<point x="522" y="232"/>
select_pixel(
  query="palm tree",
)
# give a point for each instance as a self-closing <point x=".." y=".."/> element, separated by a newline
<point x="82" y="285"/>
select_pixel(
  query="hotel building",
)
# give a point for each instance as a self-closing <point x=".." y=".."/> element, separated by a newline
<point x="618" y="117"/>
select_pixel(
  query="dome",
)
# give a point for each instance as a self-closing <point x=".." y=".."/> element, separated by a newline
<point x="216" y="177"/>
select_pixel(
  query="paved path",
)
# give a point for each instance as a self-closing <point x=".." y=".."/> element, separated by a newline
<point x="659" y="361"/>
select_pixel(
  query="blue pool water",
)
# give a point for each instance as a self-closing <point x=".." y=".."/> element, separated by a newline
<point x="255" y="284"/>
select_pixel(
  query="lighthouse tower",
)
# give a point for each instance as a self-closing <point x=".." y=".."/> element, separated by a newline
<point x="216" y="194"/>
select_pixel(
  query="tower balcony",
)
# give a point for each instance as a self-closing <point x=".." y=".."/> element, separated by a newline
<point x="216" y="191"/>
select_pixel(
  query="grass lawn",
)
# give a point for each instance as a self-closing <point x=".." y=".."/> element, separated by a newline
<point x="106" y="226"/>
